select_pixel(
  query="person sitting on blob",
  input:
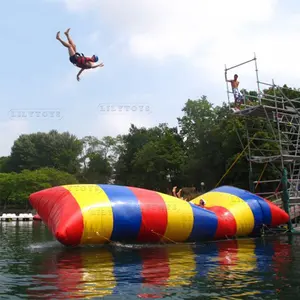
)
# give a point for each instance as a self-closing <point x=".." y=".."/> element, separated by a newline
<point x="202" y="203"/>
<point x="177" y="195"/>
<point x="79" y="60"/>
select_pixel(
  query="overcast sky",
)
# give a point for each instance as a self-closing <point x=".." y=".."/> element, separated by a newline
<point x="157" y="55"/>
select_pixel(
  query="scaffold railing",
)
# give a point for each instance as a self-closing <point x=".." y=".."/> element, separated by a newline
<point x="272" y="121"/>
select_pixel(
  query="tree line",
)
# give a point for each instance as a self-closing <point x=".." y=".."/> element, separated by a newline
<point x="199" y="150"/>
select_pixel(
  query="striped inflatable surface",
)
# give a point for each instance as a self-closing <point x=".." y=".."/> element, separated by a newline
<point x="98" y="214"/>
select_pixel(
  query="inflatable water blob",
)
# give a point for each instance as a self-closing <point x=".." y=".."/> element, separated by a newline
<point x="99" y="214"/>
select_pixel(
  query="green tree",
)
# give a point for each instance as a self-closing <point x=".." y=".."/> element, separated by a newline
<point x="98" y="159"/>
<point x="208" y="141"/>
<point x="98" y="169"/>
<point x="39" y="150"/>
<point x="214" y="139"/>
<point x="200" y="129"/>
<point x="150" y="157"/>
<point x="160" y="160"/>
<point x="4" y="164"/>
<point x="7" y="188"/>
<point x="15" y="188"/>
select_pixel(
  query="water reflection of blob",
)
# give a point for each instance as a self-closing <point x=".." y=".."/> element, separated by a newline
<point x="275" y="259"/>
<point x="236" y="258"/>
<point x="170" y="266"/>
<point x="176" y="265"/>
<point x="79" y="273"/>
<point x="155" y="268"/>
<point x="241" y="259"/>
<point x="282" y="264"/>
<point x="282" y="257"/>
<point x="127" y="270"/>
<point x="206" y="258"/>
<point x="242" y="253"/>
<point x="98" y="273"/>
<point x="60" y="277"/>
<point x="237" y="255"/>
<point x="226" y="266"/>
<point x="264" y="252"/>
<point x="182" y="264"/>
<point x="167" y="267"/>
<point x="155" y="272"/>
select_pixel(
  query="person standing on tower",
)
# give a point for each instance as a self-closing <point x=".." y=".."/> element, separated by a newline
<point x="238" y="96"/>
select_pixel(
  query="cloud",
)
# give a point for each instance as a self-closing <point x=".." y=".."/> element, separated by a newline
<point x="159" y="29"/>
<point x="10" y="131"/>
<point x="205" y="34"/>
<point x="190" y="28"/>
<point x="115" y="123"/>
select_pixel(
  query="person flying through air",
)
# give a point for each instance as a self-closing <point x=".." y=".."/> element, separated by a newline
<point x="79" y="60"/>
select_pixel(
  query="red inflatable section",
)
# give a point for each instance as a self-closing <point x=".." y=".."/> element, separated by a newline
<point x="226" y="222"/>
<point x="279" y="216"/>
<point x="61" y="212"/>
<point x="156" y="219"/>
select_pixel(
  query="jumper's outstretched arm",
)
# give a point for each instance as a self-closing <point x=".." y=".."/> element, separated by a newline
<point x="79" y="73"/>
<point x="92" y="67"/>
<point x="98" y="65"/>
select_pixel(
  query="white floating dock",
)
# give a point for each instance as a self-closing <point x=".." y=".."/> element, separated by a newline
<point x="14" y="217"/>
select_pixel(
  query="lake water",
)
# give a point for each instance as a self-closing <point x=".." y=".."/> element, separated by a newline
<point x="33" y="265"/>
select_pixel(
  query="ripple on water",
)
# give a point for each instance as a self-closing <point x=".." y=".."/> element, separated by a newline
<point x="33" y="264"/>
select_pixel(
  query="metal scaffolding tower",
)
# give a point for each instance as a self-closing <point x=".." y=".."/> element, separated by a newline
<point x="272" y="122"/>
